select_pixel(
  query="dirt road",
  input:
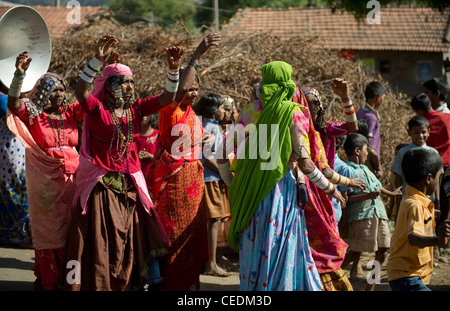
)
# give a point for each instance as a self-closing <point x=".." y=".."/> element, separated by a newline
<point x="16" y="272"/>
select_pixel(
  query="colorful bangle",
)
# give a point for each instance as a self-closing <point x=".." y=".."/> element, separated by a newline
<point x="172" y="80"/>
<point x="349" y="110"/>
<point x="193" y="65"/>
<point x="16" y="86"/>
<point x="318" y="179"/>
<point x="91" y="70"/>
<point x="340" y="180"/>
<point x="16" y="74"/>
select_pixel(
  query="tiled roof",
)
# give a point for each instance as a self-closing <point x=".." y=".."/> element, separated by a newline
<point x="402" y="29"/>
<point x="56" y="17"/>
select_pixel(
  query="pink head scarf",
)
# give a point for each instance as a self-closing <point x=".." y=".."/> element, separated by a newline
<point x="109" y="71"/>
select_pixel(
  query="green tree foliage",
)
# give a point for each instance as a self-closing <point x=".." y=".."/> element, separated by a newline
<point x="360" y="10"/>
<point x="162" y="12"/>
<point x="198" y="13"/>
<point x="227" y="8"/>
<point x="61" y="2"/>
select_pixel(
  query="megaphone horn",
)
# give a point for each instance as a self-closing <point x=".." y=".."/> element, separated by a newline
<point x="22" y="28"/>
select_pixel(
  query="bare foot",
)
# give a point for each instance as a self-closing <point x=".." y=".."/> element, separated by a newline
<point x="217" y="271"/>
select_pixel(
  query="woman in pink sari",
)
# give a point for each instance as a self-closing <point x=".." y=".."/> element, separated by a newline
<point x="327" y="247"/>
<point x="330" y="130"/>
<point x="115" y="238"/>
<point x="47" y="126"/>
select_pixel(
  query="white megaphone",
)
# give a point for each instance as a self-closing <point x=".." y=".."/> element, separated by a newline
<point x="22" y="28"/>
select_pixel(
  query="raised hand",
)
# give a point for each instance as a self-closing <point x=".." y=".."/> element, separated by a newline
<point x="210" y="40"/>
<point x="105" y="46"/>
<point x="112" y="58"/>
<point x="340" y="88"/>
<point x="174" y="55"/>
<point x="23" y="62"/>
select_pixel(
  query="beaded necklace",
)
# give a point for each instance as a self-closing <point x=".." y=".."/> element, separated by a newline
<point x="122" y="141"/>
<point x="59" y="141"/>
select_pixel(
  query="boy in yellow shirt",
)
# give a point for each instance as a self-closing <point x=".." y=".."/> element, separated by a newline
<point x="410" y="262"/>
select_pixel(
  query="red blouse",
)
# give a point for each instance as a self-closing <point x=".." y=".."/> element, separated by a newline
<point x="58" y="138"/>
<point x="102" y="144"/>
<point x="149" y="144"/>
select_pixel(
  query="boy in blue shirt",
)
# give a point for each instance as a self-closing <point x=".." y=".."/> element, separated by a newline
<point x="211" y="108"/>
<point x="419" y="131"/>
<point x="367" y="215"/>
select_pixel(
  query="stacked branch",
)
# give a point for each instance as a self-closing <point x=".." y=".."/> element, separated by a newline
<point x="233" y="69"/>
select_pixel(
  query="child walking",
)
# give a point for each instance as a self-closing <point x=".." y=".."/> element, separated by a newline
<point x="419" y="131"/>
<point x="410" y="262"/>
<point x="366" y="211"/>
<point x="211" y="108"/>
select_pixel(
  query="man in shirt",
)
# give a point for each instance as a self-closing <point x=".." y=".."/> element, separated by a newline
<point x="374" y="94"/>
<point x="439" y="123"/>
<point x="437" y="91"/>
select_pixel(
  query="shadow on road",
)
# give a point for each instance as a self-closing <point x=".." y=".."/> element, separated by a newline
<point x="13" y="263"/>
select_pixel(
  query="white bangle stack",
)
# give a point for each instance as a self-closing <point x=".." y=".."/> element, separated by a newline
<point x="321" y="181"/>
<point x="173" y="78"/>
<point x="340" y="180"/>
<point x="16" y="85"/>
<point x="91" y="70"/>
<point x="349" y="110"/>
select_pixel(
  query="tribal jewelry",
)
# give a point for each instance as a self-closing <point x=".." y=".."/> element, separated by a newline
<point x="123" y="142"/>
<point x="118" y="96"/>
<point x="317" y="178"/>
<point x="59" y="141"/>
<point x="173" y="79"/>
<point x="91" y="70"/>
<point x="349" y="110"/>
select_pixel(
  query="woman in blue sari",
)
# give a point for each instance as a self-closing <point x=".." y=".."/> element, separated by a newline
<point x="267" y="222"/>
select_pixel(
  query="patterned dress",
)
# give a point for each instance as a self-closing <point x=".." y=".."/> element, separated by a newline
<point x="274" y="251"/>
<point x="177" y="183"/>
<point x="14" y="212"/>
<point x="328" y="248"/>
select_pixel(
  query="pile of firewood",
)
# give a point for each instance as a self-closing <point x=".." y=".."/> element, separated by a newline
<point x="233" y="68"/>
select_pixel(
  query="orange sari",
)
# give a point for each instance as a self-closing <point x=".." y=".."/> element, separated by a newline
<point x="177" y="184"/>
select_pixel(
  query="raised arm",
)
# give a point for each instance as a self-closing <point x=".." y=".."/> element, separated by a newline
<point x="174" y="55"/>
<point x="190" y="71"/>
<point x="22" y="65"/>
<point x="103" y="49"/>
<point x="340" y="88"/>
